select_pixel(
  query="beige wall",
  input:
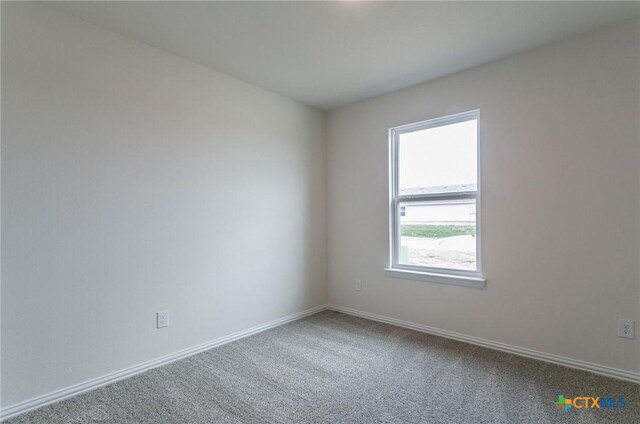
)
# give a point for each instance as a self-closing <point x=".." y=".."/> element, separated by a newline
<point x="134" y="181"/>
<point x="560" y="157"/>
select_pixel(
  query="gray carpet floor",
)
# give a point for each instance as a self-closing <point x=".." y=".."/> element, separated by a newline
<point x="335" y="368"/>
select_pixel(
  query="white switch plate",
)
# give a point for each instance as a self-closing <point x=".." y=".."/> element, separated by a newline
<point x="626" y="328"/>
<point x="358" y="285"/>
<point x="162" y="319"/>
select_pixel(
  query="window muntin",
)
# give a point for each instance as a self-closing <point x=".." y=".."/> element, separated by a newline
<point x="435" y="196"/>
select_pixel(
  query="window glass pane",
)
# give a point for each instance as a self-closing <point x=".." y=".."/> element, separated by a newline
<point x="440" y="159"/>
<point x="438" y="235"/>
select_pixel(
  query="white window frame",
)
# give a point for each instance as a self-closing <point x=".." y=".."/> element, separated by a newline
<point x="431" y="274"/>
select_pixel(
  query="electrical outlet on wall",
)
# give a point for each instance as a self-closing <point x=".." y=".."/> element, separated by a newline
<point x="162" y="319"/>
<point x="358" y="285"/>
<point x="626" y="328"/>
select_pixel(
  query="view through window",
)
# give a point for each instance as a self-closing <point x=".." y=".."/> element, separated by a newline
<point x="435" y="194"/>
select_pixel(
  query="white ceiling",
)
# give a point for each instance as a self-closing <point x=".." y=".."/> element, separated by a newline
<point x="328" y="54"/>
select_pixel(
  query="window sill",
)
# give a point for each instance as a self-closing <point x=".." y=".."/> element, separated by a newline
<point x="456" y="280"/>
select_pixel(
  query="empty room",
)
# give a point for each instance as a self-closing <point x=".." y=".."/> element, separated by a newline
<point x="320" y="212"/>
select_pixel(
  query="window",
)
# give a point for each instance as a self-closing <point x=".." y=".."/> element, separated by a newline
<point x="434" y="200"/>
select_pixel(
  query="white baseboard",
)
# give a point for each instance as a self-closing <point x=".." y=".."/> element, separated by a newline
<point x="76" y="389"/>
<point x="521" y="351"/>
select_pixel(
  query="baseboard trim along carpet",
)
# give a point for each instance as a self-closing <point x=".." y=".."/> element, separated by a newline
<point x="76" y="389"/>
<point x="528" y="353"/>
